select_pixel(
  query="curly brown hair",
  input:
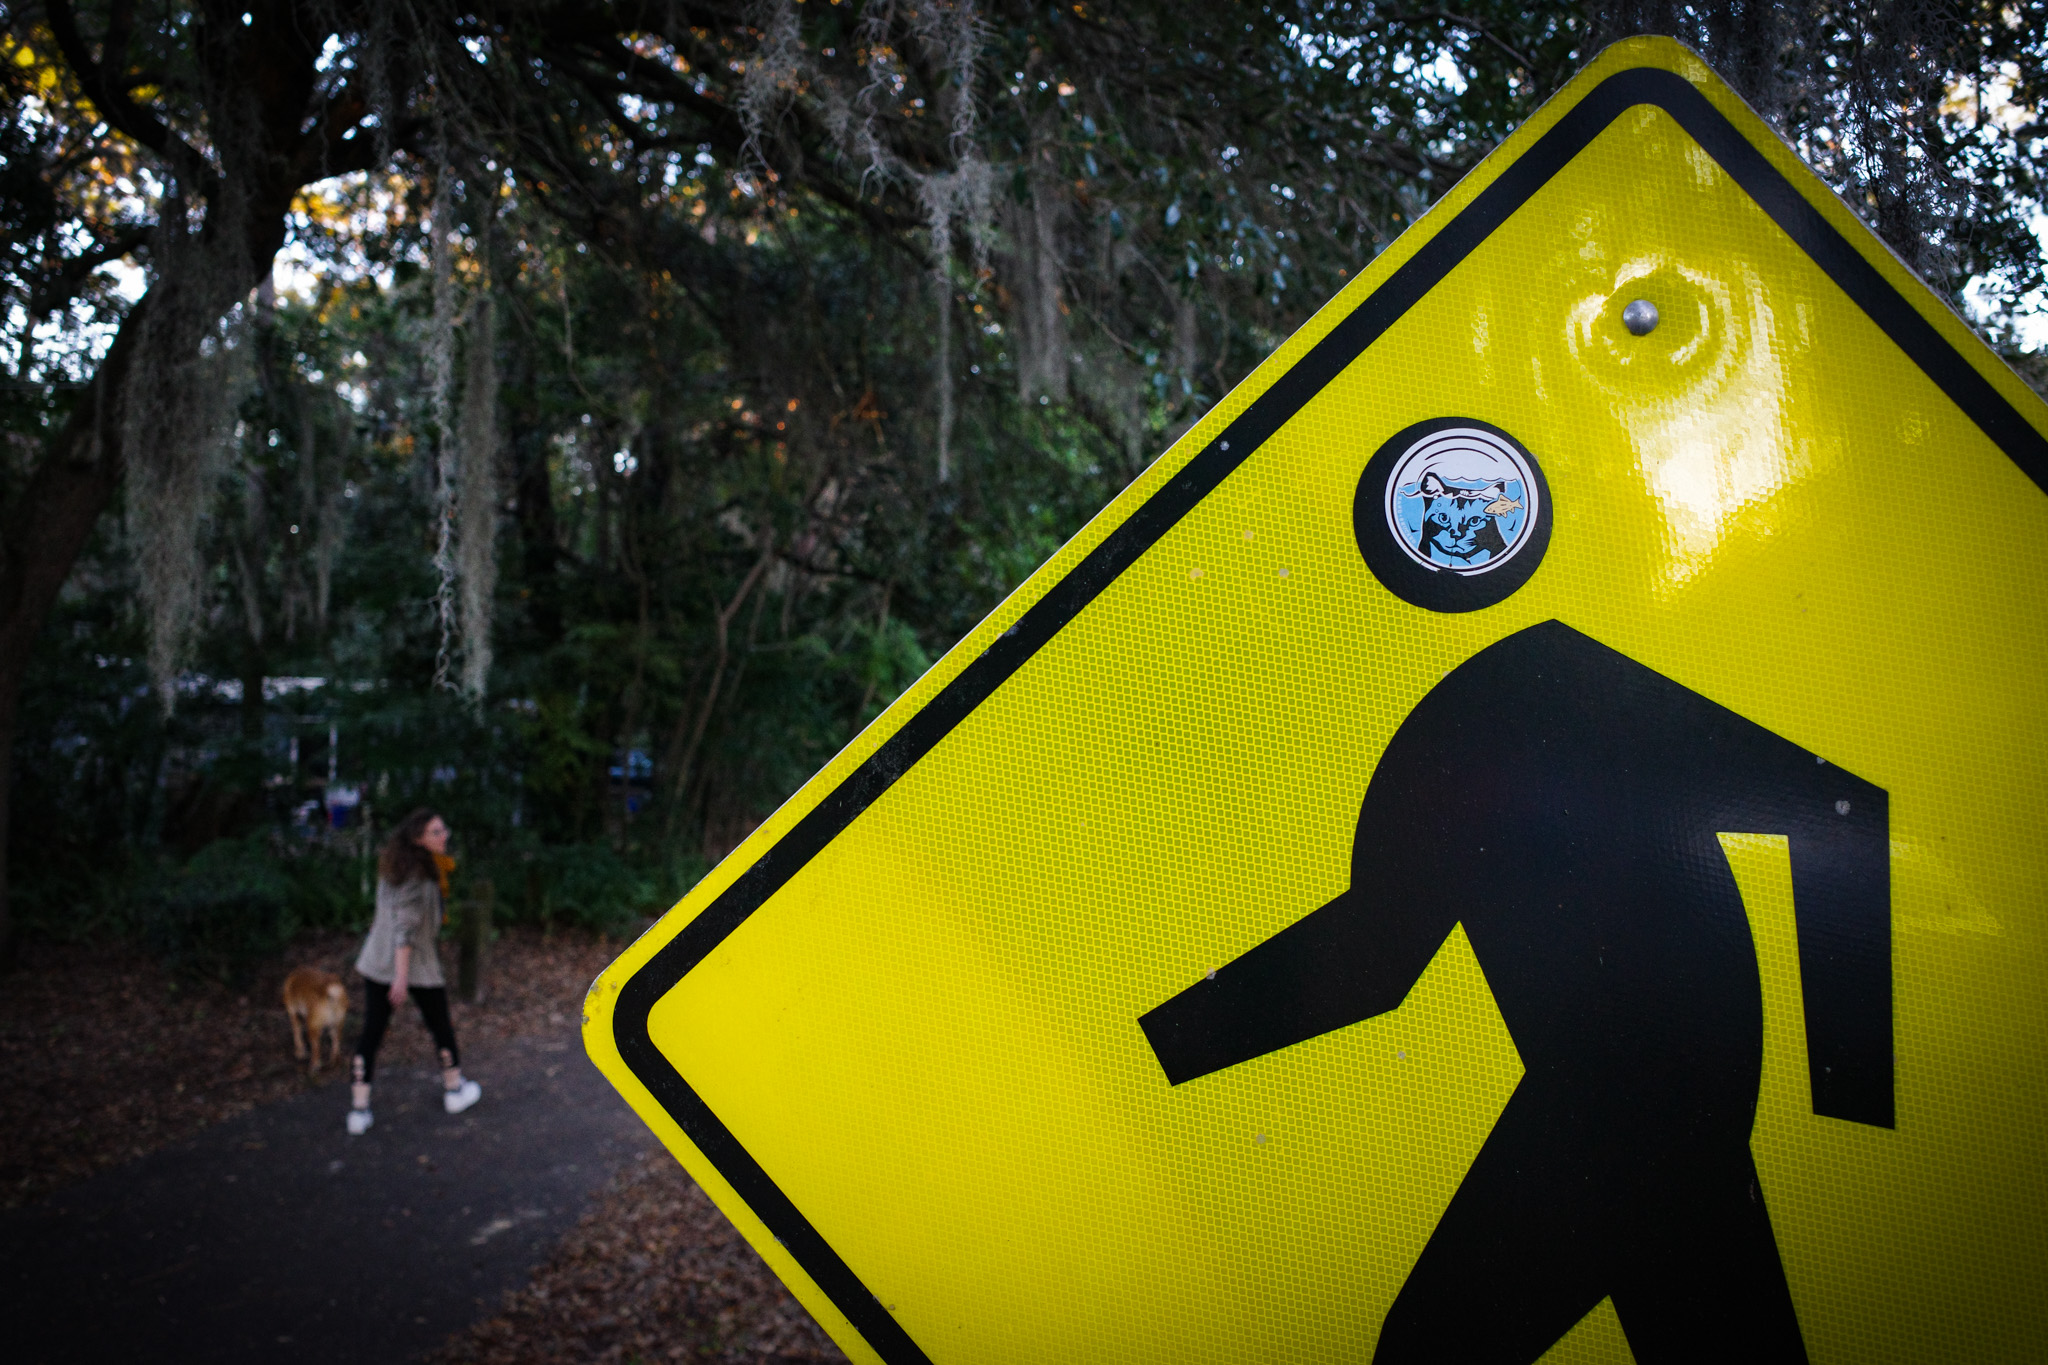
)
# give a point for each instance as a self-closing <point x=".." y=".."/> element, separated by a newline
<point x="402" y="859"/>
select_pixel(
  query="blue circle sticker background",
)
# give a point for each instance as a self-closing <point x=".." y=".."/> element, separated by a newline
<point x="1452" y="514"/>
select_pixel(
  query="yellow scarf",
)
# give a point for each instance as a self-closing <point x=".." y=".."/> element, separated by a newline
<point x="443" y="865"/>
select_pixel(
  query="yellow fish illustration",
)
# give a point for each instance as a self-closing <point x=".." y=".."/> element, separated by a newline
<point x="1501" y="506"/>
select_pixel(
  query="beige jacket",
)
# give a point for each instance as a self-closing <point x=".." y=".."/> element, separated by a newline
<point x="410" y="916"/>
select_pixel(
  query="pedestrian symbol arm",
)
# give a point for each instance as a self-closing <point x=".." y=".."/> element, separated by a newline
<point x="1336" y="966"/>
<point x="1841" y="893"/>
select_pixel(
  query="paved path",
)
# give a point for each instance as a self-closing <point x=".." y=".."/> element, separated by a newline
<point x="277" y="1237"/>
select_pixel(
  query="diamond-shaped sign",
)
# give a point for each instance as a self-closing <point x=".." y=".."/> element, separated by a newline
<point x="1520" y="837"/>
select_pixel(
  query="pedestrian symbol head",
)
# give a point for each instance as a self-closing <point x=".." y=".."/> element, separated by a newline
<point x="1452" y="514"/>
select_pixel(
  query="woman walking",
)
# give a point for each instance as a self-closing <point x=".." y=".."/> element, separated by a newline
<point x="399" y="960"/>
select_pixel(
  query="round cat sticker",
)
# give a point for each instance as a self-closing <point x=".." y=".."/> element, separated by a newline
<point x="1452" y="514"/>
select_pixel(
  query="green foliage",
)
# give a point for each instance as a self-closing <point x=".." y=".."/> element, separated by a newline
<point x="239" y="902"/>
<point x="326" y="887"/>
<point x="727" y="537"/>
<point x="588" y="886"/>
<point x="226" y="912"/>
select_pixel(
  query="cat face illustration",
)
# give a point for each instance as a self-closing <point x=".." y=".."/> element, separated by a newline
<point x="1460" y="525"/>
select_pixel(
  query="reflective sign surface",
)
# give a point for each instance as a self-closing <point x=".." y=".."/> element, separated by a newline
<point x="1520" y="837"/>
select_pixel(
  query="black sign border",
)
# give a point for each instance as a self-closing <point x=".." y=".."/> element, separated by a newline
<point x="1865" y="285"/>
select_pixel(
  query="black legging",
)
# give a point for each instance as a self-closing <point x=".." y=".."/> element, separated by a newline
<point x="433" y="1003"/>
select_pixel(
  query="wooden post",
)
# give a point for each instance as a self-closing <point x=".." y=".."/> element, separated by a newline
<point x="474" y="938"/>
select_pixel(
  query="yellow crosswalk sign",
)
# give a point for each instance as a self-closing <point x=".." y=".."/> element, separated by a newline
<point x="1520" y="837"/>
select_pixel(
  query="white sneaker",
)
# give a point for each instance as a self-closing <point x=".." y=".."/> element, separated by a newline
<point x="460" y="1098"/>
<point x="359" y="1121"/>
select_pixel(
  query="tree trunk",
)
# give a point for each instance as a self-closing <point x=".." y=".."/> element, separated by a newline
<point x="9" y="692"/>
<point x="45" y="531"/>
<point x="540" y="551"/>
<point x="254" y="670"/>
<point x="49" y="524"/>
<point x="264" y="147"/>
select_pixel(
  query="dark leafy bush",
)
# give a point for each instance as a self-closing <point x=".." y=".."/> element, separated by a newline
<point x="329" y="888"/>
<point x="226" y="913"/>
<point x="588" y="886"/>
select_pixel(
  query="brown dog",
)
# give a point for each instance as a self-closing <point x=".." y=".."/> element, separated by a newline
<point x="316" y="1003"/>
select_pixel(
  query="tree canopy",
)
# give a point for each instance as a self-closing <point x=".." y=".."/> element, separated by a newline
<point x="584" y="416"/>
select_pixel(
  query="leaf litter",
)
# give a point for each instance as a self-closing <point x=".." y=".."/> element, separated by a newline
<point x="654" y="1273"/>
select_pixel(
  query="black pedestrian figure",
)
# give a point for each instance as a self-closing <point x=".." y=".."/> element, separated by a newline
<point x="1562" y="801"/>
